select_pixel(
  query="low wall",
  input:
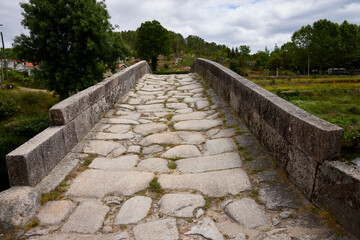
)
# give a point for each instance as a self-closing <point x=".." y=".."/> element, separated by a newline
<point x="70" y="121"/>
<point x="301" y="143"/>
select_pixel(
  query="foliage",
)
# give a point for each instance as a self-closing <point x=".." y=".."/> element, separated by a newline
<point x="8" y="108"/>
<point x="31" y="117"/>
<point x="72" y="41"/>
<point x="152" y="39"/>
<point x="334" y="100"/>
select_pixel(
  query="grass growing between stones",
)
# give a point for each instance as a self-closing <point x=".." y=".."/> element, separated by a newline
<point x="172" y="165"/>
<point x="32" y="224"/>
<point x="53" y="195"/>
<point x="155" y="186"/>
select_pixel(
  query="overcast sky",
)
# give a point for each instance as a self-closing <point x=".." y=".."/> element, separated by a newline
<point x="257" y="23"/>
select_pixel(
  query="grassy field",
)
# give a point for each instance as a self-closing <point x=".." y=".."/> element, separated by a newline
<point x="336" y="100"/>
<point x="22" y="115"/>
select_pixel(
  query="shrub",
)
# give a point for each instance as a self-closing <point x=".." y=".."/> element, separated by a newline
<point x="8" y="108"/>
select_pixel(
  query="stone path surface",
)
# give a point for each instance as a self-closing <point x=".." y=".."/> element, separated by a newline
<point x="171" y="161"/>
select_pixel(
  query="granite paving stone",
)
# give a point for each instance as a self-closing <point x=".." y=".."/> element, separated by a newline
<point x="133" y="210"/>
<point x="100" y="147"/>
<point x="95" y="183"/>
<point x="164" y="229"/>
<point x="54" y="212"/>
<point x="209" y="163"/>
<point x="276" y="196"/>
<point x="213" y="184"/>
<point x="180" y="204"/>
<point x="183" y="151"/>
<point x="87" y="218"/>
<point x="145" y="129"/>
<point x="220" y="145"/>
<point x="189" y="116"/>
<point x="123" y="162"/>
<point x="206" y="228"/>
<point x="247" y="212"/>
<point x="197" y="125"/>
<point x="173" y="138"/>
<point x="155" y="165"/>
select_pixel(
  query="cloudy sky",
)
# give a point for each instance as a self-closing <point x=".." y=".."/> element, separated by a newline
<point x="257" y="23"/>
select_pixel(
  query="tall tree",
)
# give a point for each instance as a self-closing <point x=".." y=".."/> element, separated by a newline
<point x="72" y="40"/>
<point x="152" y="39"/>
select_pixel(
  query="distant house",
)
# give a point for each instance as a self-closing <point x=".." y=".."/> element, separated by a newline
<point x="25" y="66"/>
<point x="11" y="63"/>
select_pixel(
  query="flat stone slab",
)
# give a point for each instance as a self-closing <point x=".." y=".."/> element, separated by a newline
<point x="209" y="163"/>
<point x="276" y="196"/>
<point x="260" y="163"/>
<point x="18" y="206"/>
<point x="189" y="116"/>
<point x="176" y="105"/>
<point x="155" y="165"/>
<point x="124" y="162"/>
<point x="225" y="133"/>
<point x="113" y="136"/>
<point x="87" y="218"/>
<point x="213" y="184"/>
<point x="165" y="229"/>
<point x="206" y="228"/>
<point x="100" y="147"/>
<point x="145" y="129"/>
<point x="202" y="104"/>
<point x="99" y="183"/>
<point x="133" y="210"/>
<point x="122" y="121"/>
<point x="271" y="175"/>
<point x="217" y="146"/>
<point x="180" y="204"/>
<point x="182" y="151"/>
<point x="54" y="212"/>
<point x="119" y="128"/>
<point x="247" y="212"/>
<point x="152" y="149"/>
<point x="150" y="106"/>
<point x="197" y="125"/>
<point x="173" y="138"/>
<point x="246" y="139"/>
<point x="131" y="116"/>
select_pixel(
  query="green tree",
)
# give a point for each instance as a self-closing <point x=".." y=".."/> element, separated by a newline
<point x="177" y="43"/>
<point x="72" y="40"/>
<point x="349" y="45"/>
<point x="152" y="39"/>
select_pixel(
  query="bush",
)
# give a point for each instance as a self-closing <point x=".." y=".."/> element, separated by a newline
<point x="8" y="108"/>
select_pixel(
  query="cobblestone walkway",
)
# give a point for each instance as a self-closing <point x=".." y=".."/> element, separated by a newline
<point x="171" y="161"/>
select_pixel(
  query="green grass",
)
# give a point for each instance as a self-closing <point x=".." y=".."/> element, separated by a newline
<point x="22" y="116"/>
<point x="334" y="99"/>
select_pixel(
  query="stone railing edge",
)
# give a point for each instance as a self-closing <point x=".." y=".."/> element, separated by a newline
<point x="305" y="147"/>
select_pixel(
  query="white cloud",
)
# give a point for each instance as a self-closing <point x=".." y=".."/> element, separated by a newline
<point x="257" y="23"/>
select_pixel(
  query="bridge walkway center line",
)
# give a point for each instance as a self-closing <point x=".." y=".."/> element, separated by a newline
<point x="171" y="161"/>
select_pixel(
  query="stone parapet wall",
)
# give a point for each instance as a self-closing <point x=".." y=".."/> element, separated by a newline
<point x="301" y="143"/>
<point x="70" y="121"/>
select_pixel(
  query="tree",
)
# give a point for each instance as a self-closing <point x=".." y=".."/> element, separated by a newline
<point x="177" y="43"/>
<point x="71" y="40"/>
<point x="152" y="39"/>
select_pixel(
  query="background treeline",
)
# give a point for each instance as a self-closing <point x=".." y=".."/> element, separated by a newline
<point x="324" y="43"/>
<point x="180" y="45"/>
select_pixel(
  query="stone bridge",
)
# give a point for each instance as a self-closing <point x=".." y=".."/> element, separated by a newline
<point x="142" y="156"/>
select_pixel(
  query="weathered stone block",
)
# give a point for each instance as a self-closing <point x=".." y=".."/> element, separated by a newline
<point x="337" y="189"/>
<point x="30" y="162"/>
<point x="68" y="109"/>
<point x="18" y="206"/>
